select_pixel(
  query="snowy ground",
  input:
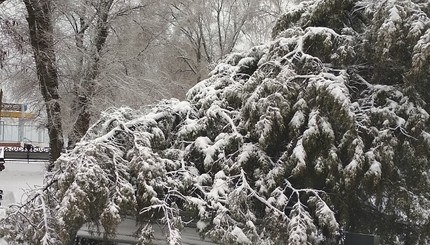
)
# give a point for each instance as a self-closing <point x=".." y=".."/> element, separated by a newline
<point x="21" y="175"/>
<point x="16" y="178"/>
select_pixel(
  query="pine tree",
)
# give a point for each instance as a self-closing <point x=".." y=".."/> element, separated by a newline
<point x="325" y="129"/>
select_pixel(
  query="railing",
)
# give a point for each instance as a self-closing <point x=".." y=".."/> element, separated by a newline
<point x="36" y="153"/>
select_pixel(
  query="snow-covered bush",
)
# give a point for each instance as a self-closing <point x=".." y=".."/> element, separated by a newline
<point x="322" y="130"/>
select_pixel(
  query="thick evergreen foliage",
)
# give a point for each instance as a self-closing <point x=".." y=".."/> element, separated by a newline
<point x="323" y="130"/>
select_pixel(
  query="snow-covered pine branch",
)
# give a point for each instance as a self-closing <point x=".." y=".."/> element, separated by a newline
<point x="320" y="130"/>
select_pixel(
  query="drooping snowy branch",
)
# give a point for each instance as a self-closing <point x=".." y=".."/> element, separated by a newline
<point x="317" y="131"/>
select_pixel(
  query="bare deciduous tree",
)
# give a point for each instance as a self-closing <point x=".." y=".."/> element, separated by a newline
<point x="41" y="40"/>
<point x="41" y="30"/>
<point x="207" y="30"/>
<point x="93" y="73"/>
<point x="117" y="52"/>
<point x="89" y="65"/>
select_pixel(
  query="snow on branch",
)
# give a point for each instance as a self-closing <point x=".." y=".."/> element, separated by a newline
<point x="282" y="144"/>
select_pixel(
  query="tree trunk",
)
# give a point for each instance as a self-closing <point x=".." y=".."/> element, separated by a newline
<point x="42" y="42"/>
<point x="84" y="92"/>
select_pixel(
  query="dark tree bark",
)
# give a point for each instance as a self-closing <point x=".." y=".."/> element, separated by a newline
<point x="41" y="30"/>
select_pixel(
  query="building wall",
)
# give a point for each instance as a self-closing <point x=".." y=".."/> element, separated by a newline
<point x="14" y="130"/>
